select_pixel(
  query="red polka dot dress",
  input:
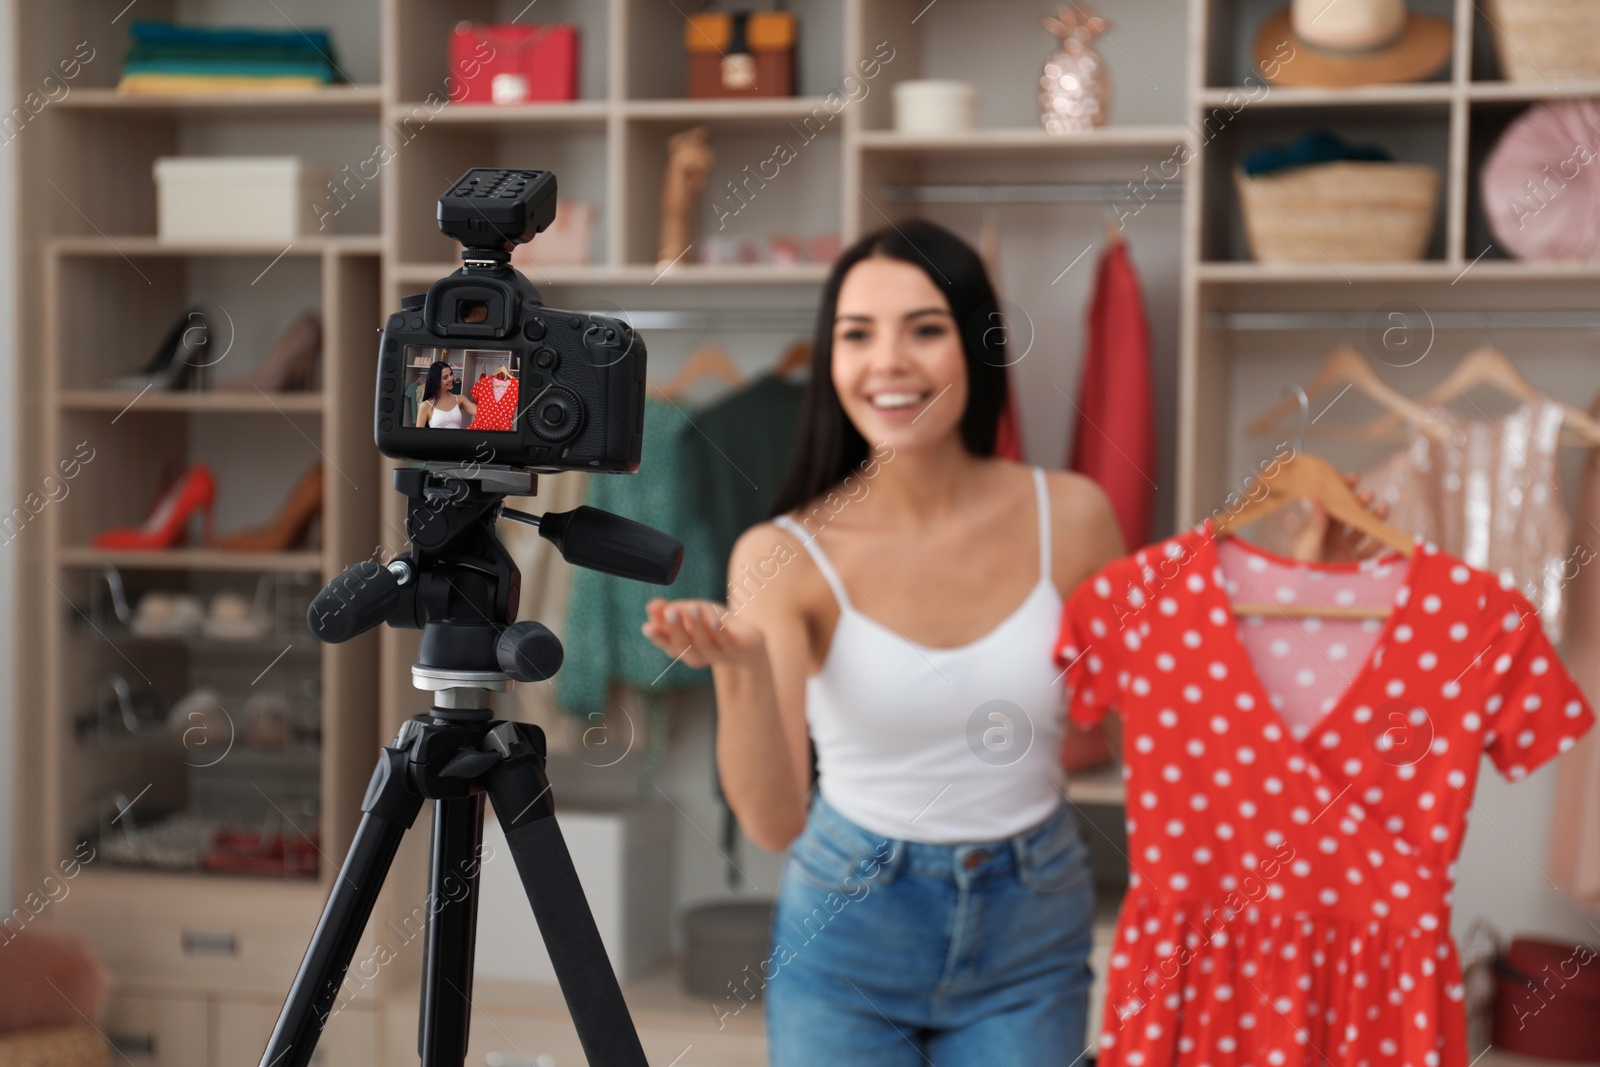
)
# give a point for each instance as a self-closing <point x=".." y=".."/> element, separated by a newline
<point x="1290" y="875"/>
<point x="494" y="412"/>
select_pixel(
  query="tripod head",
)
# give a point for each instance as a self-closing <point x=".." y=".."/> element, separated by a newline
<point x="460" y="587"/>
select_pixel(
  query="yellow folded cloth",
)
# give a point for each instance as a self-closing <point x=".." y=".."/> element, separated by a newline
<point x="177" y="84"/>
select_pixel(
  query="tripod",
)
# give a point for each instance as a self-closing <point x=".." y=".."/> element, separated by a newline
<point x="461" y="588"/>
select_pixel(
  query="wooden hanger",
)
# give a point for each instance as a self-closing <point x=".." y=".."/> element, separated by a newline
<point x="1306" y="477"/>
<point x="708" y="362"/>
<point x="1490" y="366"/>
<point x="1346" y="367"/>
<point x="796" y="357"/>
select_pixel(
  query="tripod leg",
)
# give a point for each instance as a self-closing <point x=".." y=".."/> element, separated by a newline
<point x="452" y="932"/>
<point x="391" y="805"/>
<point x="521" y="795"/>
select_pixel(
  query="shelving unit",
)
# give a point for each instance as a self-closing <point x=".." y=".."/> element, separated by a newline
<point x="192" y="953"/>
<point x="201" y="962"/>
<point x="1449" y="123"/>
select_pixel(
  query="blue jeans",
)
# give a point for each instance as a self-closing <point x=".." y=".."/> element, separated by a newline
<point x="890" y="953"/>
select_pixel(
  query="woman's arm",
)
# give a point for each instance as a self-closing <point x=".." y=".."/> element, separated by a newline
<point x="470" y="404"/>
<point x="424" y="413"/>
<point x="759" y="655"/>
<point x="1087" y="536"/>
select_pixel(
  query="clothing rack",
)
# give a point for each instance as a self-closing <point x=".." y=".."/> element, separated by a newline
<point x="1245" y="321"/>
<point x="1096" y="192"/>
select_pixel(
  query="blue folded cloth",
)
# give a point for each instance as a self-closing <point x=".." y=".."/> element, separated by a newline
<point x="165" y="48"/>
<point x="157" y="32"/>
<point x="1317" y="146"/>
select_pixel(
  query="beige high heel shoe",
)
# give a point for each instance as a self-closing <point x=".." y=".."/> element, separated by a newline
<point x="292" y="366"/>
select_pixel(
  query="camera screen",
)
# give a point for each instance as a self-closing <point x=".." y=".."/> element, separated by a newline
<point x="461" y="388"/>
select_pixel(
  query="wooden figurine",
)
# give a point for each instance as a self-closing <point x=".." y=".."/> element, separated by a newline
<point x="689" y="159"/>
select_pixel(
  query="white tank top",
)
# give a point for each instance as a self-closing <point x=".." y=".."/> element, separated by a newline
<point x="941" y="745"/>
<point x="445" y="420"/>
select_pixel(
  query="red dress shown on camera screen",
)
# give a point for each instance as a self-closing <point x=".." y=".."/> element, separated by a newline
<point x="496" y="398"/>
<point x="1297" y="791"/>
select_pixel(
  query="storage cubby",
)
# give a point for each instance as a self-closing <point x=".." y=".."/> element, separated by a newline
<point x="1000" y="48"/>
<point x="656" y="68"/>
<point x="575" y="150"/>
<point x="422" y="29"/>
<point x="1414" y="133"/>
<point x="765" y="181"/>
<point x="1232" y="27"/>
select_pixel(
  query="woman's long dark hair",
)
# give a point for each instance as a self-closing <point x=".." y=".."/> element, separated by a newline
<point x="435" y="378"/>
<point x="829" y="446"/>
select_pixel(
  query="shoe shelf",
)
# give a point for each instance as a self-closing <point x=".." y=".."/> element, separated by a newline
<point x="195" y="559"/>
<point x="303" y="403"/>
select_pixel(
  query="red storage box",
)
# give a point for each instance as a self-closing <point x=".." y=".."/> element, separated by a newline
<point x="1547" y="1001"/>
<point x="513" y="63"/>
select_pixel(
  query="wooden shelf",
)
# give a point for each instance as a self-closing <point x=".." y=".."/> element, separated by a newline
<point x="1267" y="95"/>
<point x="197" y="559"/>
<point x="1250" y="273"/>
<point x="243" y="402"/>
<point x="1105" y="142"/>
<point x="90" y="244"/>
<point x="1499" y="271"/>
<point x="339" y="101"/>
<point x="1527" y="91"/>
<point x="728" y="114"/>
<point x="684" y="273"/>
<point x="554" y="112"/>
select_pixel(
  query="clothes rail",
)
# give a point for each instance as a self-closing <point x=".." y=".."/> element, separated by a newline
<point x="1243" y="321"/>
<point x="1125" y="192"/>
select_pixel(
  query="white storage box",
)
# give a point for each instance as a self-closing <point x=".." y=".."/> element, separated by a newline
<point x="624" y="860"/>
<point x="237" y="198"/>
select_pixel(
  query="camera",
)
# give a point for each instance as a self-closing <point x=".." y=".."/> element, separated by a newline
<point x="479" y="370"/>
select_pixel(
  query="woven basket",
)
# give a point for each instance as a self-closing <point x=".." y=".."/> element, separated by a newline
<point x="63" y="1046"/>
<point x="1348" y="212"/>
<point x="1546" y="40"/>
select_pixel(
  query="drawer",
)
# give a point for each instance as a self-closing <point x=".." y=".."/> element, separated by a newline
<point x="518" y="1041"/>
<point x="158" y="1031"/>
<point x="350" y="1040"/>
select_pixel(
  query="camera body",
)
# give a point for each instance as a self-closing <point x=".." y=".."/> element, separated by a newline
<point x="479" y="369"/>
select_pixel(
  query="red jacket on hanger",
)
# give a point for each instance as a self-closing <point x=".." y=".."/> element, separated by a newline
<point x="1008" y="440"/>
<point x="1115" y="441"/>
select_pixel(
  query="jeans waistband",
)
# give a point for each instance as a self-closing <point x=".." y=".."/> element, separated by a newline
<point x="965" y="861"/>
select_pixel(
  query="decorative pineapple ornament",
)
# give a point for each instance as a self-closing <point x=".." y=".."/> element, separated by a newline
<point x="1075" y="88"/>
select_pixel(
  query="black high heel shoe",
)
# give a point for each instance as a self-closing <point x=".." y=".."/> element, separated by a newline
<point x="179" y="360"/>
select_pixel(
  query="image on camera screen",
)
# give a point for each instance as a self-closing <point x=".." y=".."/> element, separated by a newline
<point x="461" y="388"/>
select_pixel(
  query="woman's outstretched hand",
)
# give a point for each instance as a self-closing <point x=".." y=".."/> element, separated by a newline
<point x="702" y="632"/>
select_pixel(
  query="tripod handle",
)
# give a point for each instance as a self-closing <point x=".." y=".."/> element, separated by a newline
<point x="355" y="602"/>
<point x="613" y="544"/>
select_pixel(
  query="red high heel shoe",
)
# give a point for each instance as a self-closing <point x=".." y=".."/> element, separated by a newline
<point x="165" y="527"/>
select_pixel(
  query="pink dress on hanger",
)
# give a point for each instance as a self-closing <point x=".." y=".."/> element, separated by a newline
<point x="1289" y="891"/>
<point x="1490" y="495"/>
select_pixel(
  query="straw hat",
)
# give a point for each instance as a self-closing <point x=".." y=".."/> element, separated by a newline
<point x="1339" y="44"/>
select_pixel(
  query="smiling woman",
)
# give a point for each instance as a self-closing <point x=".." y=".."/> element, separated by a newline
<point x="910" y="641"/>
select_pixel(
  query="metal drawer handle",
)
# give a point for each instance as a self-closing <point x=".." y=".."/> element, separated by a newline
<point x="210" y="943"/>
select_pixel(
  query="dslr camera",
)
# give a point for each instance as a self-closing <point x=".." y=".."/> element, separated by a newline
<point x="479" y="370"/>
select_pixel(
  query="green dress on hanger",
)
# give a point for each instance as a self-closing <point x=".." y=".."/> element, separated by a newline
<point x="604" y="613"/>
